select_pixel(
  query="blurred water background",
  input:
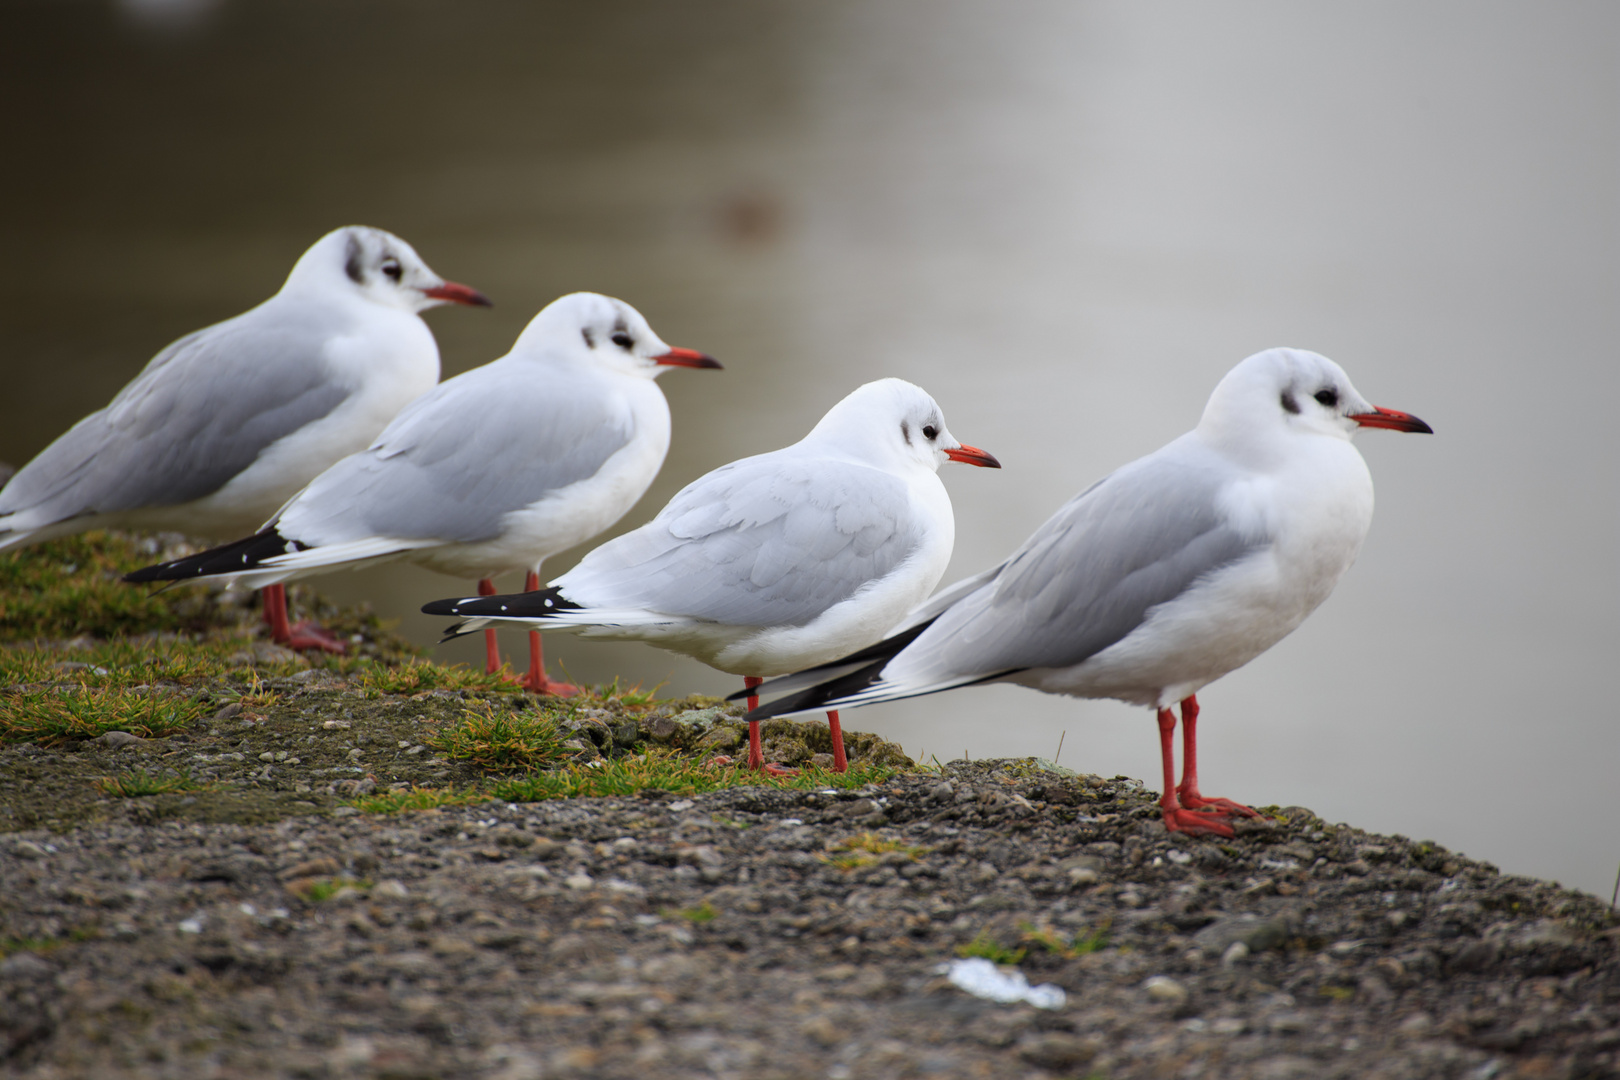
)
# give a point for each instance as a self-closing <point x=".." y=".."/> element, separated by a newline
<point x="1065" y="220"/>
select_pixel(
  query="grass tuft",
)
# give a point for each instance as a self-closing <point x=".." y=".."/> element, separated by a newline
<point x="318" y="890"/>
<point x="395" y="802"/>
<point x="697" y="916"/>
<point x="138" y="783"/>
<point x="632" y="698"/>
<point x="57" y="714"/>
<point x="1080" y="945"/>
<point x="417" y="676"/>
<point x="493" y="738"/>
<point x="986" y="946"/>
<point x="854" y="852"/>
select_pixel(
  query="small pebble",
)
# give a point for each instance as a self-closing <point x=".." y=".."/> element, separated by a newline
<point x="24" y="965"/>
<point x="27" y="849"/>
<point x="1164" y="988"/>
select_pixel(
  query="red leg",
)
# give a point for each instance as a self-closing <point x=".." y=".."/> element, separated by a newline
<point x="756" y="750"/>
<point x="274" y="599"/>
<point x="303" y="637"/>
<point x="840" y="762"/>
<point x="492" y="651"/>
<point x="535" y="681"/>
<point x="1176" y="818"/>
<point x="1190" y="798"/>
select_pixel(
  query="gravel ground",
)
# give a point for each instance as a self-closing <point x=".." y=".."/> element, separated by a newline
<point x="761" y="932"/>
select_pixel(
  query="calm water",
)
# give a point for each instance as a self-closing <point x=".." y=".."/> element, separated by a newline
<point x="1067" y="221"/>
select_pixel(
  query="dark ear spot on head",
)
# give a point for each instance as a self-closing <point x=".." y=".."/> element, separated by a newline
<point x="905" y="431"/>
<point x="351" y="261"/>
<point x="1288" y="402"/>
<point x="585" y="332"/>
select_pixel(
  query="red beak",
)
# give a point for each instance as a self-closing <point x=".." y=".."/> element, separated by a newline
<point x="452" y="293"/>
<point x="687" y="358"/>
<point x="972" y="455"/>
<point x="1393" y="419"/>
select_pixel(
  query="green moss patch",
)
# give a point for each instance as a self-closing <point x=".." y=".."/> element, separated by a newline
<point x="120" y="703"/>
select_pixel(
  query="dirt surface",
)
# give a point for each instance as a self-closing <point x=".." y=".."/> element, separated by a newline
<point x="266" y="928"/>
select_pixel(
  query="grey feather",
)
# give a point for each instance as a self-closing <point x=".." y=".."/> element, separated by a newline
<point x="459" y="458"/>
<point x="760" y="542"/>
<point x="199" y="413"/>
<point x="1090" y="575"/>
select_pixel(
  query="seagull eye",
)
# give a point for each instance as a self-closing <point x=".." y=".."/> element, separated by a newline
<point x="623" y="341"/>
<point x="930" y="431"/>
<point x="1327" y="398"/>
<point x="392" y="269"/>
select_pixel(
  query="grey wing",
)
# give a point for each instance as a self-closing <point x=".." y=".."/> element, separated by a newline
<point x="462" y="456"/>
<point x="759" y="542"/>
<point x="199" y="413"/>
<point x="1089" y="576"/>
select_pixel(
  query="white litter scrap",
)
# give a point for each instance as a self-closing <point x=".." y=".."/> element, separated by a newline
<point x="981" y="978"/>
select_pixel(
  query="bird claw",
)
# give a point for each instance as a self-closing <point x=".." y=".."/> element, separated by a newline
<point x="1212" y="804"/>
<point x="308" y="637"/>
<point x="1194" y="823"/>
<point x="769" y="768"/>
<point x="543" y="685"/>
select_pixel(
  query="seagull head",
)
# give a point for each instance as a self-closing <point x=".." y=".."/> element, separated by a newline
<point x="892" y="422"/>
<point x="595" y="329"/>
<point x="376" y="266"/>
<point x="1283" y="393"/>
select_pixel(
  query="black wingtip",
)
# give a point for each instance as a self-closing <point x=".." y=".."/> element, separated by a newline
<point x="525" y="605"/>
<point x="818" y="696"/>
<point x="233" y="558"/>
<point x="873" y="659"/>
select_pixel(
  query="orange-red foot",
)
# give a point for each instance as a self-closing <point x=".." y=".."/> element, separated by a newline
<point x="772" y="769"/>
<point x="307" y="637"/>
<point x="543" y="685"/>
<point x="1191" y="800"/>
<point x="1194" y="823"/>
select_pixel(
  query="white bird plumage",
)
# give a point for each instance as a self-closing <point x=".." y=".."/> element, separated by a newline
<point x="1171" y="572"/>
<point x="226" y="424"/>
<point x="494" y="470"/>
<point x="777" y="561"/>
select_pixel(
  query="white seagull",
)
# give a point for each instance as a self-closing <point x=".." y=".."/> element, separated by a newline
<point x="1159" y="579"/>
<point x="228" y="423"/>
<point x="775" y="562"/>
<point x="496" y="469"/>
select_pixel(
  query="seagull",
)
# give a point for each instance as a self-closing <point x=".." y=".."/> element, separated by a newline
<point x="496" y="469"/>
<point x="1158" y="579"/>
<point x="775" y="562"/>
<point x="228" y="423"/>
